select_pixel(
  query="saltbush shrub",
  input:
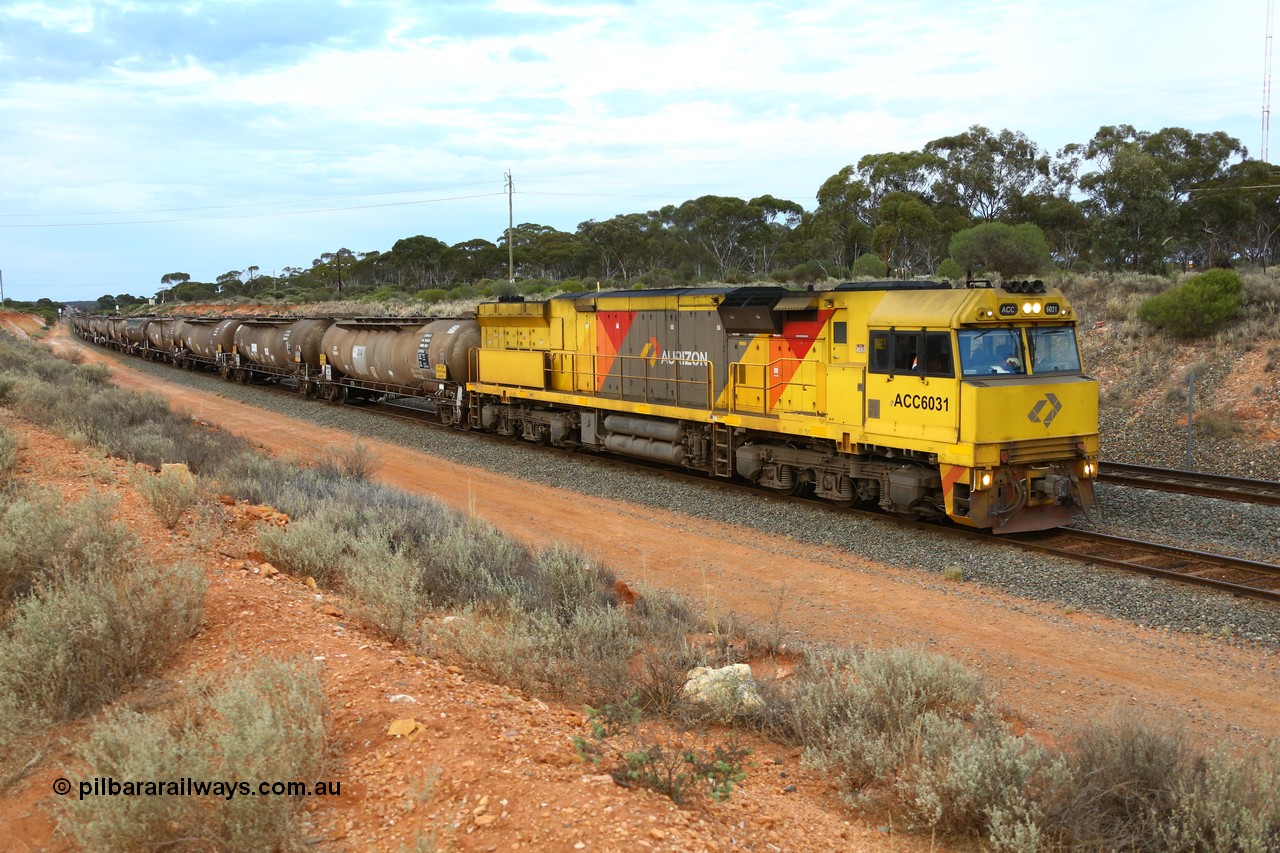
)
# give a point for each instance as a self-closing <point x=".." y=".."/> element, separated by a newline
<point x="170" y="493"/>
<point x="264" y="725"/>
<point x="43" y="540"/>
<point x="9" y="446"/>
<point x="73" y="645"/>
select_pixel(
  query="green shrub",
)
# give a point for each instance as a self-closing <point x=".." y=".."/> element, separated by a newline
<point x="73" y="645"/>
<point x="355" y="461"/>
<point x="805" y="273"/>
<point x="950" y="271"/>
<point x="1199" y="306"/>
<point x="1217" y="423"/>
<point x="1010" y="250"/>
<point x="584" y="658"/>
<point x="1227" y="803"/>
<point x="869" y="266"/>
<point x="386" y="587"/>
<point x="306" y="547"/>
<point x="266" y="725"/>
<point x="677" y="770"/>
<point x="431" y="294"/>
<point x="973" y="778"/>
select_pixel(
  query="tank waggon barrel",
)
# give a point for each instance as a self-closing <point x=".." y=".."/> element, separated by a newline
<point x="115" y="331"/>
<point x="134" y="331"/>
<point x="264" y="343"/>
<point x="420" y="355"/>
<point x="160" y="334"/>
<point x="304" y="340"/>
<point x="207" y="338"/>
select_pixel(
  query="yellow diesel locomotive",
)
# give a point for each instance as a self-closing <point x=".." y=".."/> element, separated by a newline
<point x="927" y="400"/>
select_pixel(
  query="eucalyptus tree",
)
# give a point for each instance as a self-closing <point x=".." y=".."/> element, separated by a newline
<point x="620" y="243"/>
<point x="416" y="261"/>
<point x="839" y="229"/>
<point x="1238" y="216"/>
<point x="476" y="259"/>
<point x="779" y="219"/>
<point x="909" y="235"/>
<point x="724" y="227"/>
<point x="984" y="175"/>
<point x="541" y="251"/>
<point x="1138" y="193"/>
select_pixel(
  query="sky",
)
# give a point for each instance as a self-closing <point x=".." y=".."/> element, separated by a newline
<point x="139" y="138"/>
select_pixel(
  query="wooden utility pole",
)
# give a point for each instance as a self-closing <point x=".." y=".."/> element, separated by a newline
<point x="511" y="251"/>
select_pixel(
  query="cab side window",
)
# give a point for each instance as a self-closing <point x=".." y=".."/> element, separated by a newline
<point x="937" y="354"/>
<point x="879" y="360"/>
<point x="900" y="352"/>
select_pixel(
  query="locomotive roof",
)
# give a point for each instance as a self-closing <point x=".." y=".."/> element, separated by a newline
<point x="893" y="285"/>
<point x="678" y="291"/>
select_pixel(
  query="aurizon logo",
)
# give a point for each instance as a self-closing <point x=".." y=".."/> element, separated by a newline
<point x="652" y="352"/>
<point x="1038" y="415"/>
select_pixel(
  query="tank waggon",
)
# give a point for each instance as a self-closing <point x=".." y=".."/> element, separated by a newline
<point x="206" y="339"/>
<point x="304" y="340"/>
<point x="412" y="357"/>
<point x="160" y="333"/>
<point x="926" y="400"/>
<point x="261" y="342"/>
<point x="115" y="332"/>
<point x="134" y="332"/>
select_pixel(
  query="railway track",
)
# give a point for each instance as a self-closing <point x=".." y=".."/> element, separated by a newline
<point x="1191" y="483"/>
<point x="1232" y="575"/>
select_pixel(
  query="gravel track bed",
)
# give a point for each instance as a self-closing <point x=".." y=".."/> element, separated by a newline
<point x="1203" y="523"/>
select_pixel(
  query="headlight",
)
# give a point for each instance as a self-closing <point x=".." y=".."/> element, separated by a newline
<point x="1088" y="469"/>
<point x="1026" y="308"/>
<point x="981" y="480"/>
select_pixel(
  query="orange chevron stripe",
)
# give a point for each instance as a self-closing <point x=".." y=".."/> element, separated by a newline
<point x="793" y="345"/>
<point x="611" y="331"/>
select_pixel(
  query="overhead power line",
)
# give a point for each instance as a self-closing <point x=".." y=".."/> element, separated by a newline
<point x="250" y="204"/>
<point x="247" y="215"/>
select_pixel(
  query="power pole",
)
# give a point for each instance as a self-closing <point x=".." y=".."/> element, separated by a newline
<point x="511" y="251"/>
<point x="1266" y="86"/>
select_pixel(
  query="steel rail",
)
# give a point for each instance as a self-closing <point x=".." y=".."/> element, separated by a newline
<point x="1221" y="486"/>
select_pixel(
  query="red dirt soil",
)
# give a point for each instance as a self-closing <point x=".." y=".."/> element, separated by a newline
<point x="509" y="777"/>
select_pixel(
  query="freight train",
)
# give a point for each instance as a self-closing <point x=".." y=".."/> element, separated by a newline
<point x="927" y="400"/>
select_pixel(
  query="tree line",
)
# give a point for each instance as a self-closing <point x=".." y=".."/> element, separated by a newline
<point x="977" y="202"/>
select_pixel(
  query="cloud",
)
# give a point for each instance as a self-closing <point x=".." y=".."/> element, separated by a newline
<point x="130" y="105"/>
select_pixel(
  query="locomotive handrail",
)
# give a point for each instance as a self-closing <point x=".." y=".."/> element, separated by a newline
<point x="737" y="381"/>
